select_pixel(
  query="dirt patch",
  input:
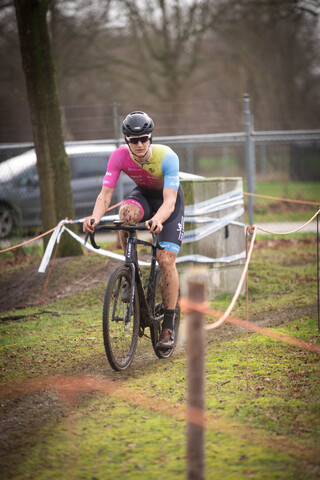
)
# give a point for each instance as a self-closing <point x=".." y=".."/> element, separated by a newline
<point x="282" y="242"/>
<point x="30" y="407"/>
<point x="24" y="414"/>
<point x="272" y="318"/>
<point x="68" y="276"/>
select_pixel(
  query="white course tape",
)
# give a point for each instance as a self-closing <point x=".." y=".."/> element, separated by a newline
<point x="58" y="232"/>
<point x="225" y="200"/>
<point x="48" y="252"/>
<point x="203" y="259"/>
<point x="215" y="208"/>
<point x="202" y="232"/>
<point x="110" y="218"/>
<point x="210" y="220"/>
<point x="193" y="212"/>
<point x="186" y="258"/>
<point x="101" y="251"/>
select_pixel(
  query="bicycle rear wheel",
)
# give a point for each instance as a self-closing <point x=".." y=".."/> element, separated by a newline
<point x="158" y="314"/>
<point x="120" y="331"/>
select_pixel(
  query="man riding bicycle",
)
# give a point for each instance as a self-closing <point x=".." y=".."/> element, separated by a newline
<point x="158" y="198"/>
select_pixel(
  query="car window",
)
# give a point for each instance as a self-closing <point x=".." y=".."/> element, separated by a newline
<point x="85" y="165"/>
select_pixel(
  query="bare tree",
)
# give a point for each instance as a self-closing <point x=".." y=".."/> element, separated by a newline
<point x="270" y="49"/>
<point x="52" y="161"/>
<point x="187" y="62"/>
<point x="164" y="43"/>
<point x="167" y="38"/>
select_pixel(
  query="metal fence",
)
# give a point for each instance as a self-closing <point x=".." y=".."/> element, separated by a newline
<point x="281" y="164"/>
<point x="278" y="164"/>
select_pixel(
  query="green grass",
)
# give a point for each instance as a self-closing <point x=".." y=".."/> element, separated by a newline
<point x="263" y="413"/>
<point x="225" y="164"/>
<point x="268" y="210"/>
<point x="282" y="274"/>
<point x="107" y="437"/>
<point x="309" y="191"/>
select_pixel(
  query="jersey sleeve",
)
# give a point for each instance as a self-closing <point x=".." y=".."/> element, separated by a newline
<point x="170" y="169"/>
<point x="113" y="170"/>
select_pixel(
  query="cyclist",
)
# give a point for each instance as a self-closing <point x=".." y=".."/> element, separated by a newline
<point x="157" y="197"/>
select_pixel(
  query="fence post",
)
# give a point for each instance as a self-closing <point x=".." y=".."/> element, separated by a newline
<point x="190" y="159"/>
<point x="116" y="130"/>
<point x="250" y="155"/>
<point x="318" y="291"/>
<point x="195" y="367"/>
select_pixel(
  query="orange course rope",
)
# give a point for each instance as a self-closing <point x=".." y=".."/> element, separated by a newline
<point x="239" y="287"/>
<point x="28" y="241"/>
<point x="69" y="388"/>
<point x="290" y="200"/>
<point x="188" y="306"/>
<point x="291" y="231"/>
<point x="49" y="231"/>
<point x="202" y="307"/>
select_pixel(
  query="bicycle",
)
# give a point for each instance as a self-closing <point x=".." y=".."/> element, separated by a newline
<point x="125" y="319"/>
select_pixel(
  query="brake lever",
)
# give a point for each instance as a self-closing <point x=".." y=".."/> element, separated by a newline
<point x="92" y="239"/>
<point x="93" y="242"/>
<point x="159" y="247"/>
<point x="86" y="238"/>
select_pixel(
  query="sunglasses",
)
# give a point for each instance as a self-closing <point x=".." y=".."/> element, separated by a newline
<point x="136" y="140"/>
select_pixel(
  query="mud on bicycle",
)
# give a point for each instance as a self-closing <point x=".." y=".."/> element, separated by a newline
<point x="126" y="317"/>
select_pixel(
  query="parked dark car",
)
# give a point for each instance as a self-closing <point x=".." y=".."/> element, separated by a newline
<point x="20" y="193"/>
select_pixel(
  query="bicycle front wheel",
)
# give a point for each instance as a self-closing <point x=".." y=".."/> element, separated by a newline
<point x="120" y="329"/>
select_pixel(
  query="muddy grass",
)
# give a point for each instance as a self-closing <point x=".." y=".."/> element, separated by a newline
<point x="68" y="276"/>
<point x="27" y="411"/>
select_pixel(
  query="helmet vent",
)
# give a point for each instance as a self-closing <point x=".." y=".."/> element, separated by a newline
<point x="137" y="123"/>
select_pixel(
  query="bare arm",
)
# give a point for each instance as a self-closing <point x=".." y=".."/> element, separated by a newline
<point x="164" y="212"/>
<point x="100" y="208"/>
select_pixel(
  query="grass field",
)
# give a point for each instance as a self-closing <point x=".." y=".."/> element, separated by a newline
<point x="275" y="183"/>
<point x="67" y="415"/>
<point x="269" y="210"/>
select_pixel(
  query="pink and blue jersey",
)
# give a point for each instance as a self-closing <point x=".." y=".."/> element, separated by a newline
<point x="161" y="170"/>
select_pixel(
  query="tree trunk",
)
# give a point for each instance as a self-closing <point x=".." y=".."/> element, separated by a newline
<point x="52" y="161"/>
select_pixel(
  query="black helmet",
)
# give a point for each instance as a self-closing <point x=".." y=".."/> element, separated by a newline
<point x="137" y="123"/>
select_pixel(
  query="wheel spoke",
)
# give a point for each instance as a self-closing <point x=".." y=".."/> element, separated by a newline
<point x="120" y="332"/>
<point x="6" y="222"/>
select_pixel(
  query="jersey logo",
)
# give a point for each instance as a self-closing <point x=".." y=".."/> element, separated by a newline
<point x="180" y="229"/>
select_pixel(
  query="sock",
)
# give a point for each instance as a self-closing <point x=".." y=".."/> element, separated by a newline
<point x="168" y="319"/>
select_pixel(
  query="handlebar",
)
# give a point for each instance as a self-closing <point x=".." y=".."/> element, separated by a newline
<point x="118" y="225"/>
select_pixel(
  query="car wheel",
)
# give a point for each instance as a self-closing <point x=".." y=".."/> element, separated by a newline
<point x="6" y="221"/>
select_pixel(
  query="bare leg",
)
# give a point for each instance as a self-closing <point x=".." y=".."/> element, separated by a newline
<point x="169" y="278"/>
<point x="129" y="214"/>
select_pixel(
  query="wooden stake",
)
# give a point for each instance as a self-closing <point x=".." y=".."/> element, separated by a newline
<point x="196" y="370"/>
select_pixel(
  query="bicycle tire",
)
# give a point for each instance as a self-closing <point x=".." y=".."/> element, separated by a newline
<point x="158" y="313"/>
<point x="120" y="333"/>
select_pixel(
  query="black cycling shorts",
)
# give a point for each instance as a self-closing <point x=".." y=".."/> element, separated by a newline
<point x="172" y="233"/>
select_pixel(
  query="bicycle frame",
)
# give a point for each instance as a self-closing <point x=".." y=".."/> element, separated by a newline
<point x="143" y="310"/>
<point x="131" y="261"/>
